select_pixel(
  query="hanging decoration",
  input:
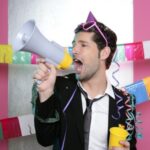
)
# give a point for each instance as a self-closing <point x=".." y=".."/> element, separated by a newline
<point x="139" y="122"/>
<point x="141" y="90"/>
<point x="6" y="54"/>
<point x="125" y="52"/>
<point x="22" y="58"/>
<point x="133" y="51"/>
<point x="17" y="126"/>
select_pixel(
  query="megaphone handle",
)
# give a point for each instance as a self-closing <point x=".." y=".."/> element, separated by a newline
<point x="50" y="61"/>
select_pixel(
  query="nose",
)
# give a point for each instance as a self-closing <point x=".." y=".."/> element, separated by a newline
<point x="75" y="50"/>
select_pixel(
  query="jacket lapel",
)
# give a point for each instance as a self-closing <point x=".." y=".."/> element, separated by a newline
<point x="78" y="115"/>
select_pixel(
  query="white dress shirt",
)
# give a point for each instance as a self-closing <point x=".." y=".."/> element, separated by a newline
<point x="99" y="121"/>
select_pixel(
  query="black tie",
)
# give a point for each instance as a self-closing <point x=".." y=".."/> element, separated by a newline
<point x="87" y="117"/>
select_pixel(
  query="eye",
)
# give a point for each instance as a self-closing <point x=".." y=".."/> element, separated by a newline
<point x="73" y="45"/>
<point x="84" y="45"/>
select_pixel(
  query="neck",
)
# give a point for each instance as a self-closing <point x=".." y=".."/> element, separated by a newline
<point x="95" y="86"/>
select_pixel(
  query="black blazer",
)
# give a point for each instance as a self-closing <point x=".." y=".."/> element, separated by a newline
<point x="64" y="109"/>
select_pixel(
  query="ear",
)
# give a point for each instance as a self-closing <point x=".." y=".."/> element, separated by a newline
<point x="105" y="52"/>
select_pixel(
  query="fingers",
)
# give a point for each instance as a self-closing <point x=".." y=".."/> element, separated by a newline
<point x="41" y="73"/>
<point x="45" y="66"/>
<point x="125" y="144"/>
<point x="44" y="71"/>
<point x="40" y="60"/>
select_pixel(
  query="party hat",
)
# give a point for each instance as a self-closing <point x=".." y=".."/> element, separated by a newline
<point x="90" y="17"/>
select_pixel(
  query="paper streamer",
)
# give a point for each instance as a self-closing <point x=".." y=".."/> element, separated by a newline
<point x="22" y="58"/>
<point x="6" y="54"/>
<point x="139" y="129"/>
<point x="146" y="82"/>
<point x="125" y="52"/>
<point x="34" y="58"/>
<point x="115" y="71"/>
<point x="141" y="90"/>
<point x="130" y="116"/>
<point x="133" y="51"/>
<point x="1" y="132"/>
<point x="26" y="124"/>
<point x="3" y="90"/>
<point x="146" y="46"/>
<point x="143" y="127"/>
<point x="120" y="54"/>
<point x="119" y="107"/>
<point x="10" y="127"/>
<point x="17" y="126"/>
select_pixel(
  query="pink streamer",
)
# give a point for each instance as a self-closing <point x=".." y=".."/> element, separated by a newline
<point x="134" y="51"/>
<point x="34" y="58"/>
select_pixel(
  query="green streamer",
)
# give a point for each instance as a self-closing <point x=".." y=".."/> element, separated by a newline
<point x="22" y="57"/>
<point x="120" y="53"/>
<point x="1" y="132"/>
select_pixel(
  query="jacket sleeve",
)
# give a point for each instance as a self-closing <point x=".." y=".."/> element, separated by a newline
<point x="46" y="118"/>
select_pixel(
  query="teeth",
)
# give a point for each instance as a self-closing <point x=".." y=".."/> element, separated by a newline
<point x="76" y="60"/>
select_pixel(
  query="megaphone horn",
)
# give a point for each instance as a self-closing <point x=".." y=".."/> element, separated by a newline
<point x="30" y="39"/>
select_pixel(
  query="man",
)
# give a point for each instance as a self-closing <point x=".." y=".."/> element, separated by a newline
<point x="61" y="103"/>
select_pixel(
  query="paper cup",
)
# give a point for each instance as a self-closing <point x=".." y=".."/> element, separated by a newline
<point x="117" y="134"/>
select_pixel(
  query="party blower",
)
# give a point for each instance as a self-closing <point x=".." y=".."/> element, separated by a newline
<point x="30" y="39"/>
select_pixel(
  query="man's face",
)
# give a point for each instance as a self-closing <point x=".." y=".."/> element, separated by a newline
<point x="86" y="56"/>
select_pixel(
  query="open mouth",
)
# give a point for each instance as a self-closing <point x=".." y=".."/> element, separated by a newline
<point x="77" y="65"/>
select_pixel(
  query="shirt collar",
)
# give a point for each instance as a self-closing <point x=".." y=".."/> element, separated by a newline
<point x="109" y="89"/>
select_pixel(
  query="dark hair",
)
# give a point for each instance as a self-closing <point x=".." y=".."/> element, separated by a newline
<point x="99" y="40"/>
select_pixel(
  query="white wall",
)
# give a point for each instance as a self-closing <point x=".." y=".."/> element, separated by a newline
<point x="57" y="19"/>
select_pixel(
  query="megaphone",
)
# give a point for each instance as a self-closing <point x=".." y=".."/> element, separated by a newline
<point x="30" y="39"/>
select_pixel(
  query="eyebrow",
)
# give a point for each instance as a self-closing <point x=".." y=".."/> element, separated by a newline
<point x="81" y="41"/>
<point x="73" y="42"/>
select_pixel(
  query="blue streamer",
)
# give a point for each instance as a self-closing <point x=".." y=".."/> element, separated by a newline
<point x="139" y="134"/>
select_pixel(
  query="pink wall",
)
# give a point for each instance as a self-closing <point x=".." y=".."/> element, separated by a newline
<point x="141" y="68"/>
<point x="141" y="20"/>
<point x="3" y="21"/>
<point x="3" y="67"/>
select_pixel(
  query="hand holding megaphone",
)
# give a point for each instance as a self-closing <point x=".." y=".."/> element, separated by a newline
<point x="30" y="39"/>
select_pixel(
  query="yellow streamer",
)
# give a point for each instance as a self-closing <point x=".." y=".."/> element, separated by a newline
<point x="147" y="84"/>
<point x="6" y="54"/>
